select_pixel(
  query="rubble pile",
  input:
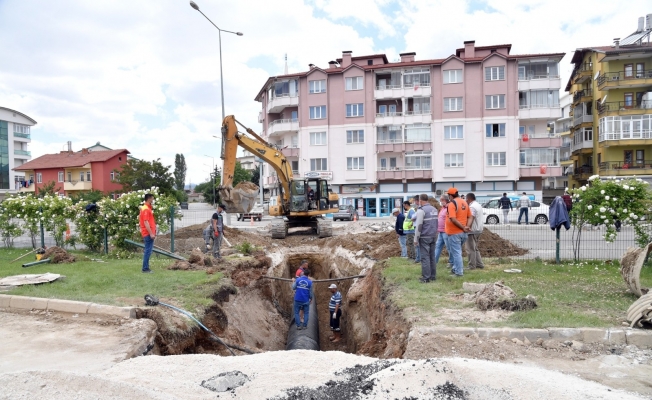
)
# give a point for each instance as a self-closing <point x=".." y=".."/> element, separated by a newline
<point x="497" y="296"/>
<point x="196" y="261"/>
<point x="57" y="255"/>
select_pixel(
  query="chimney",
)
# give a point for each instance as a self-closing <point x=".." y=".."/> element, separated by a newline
<point x="648" y="22"/>
<point x="469" y="49"/>
<point x="346" y="58"/>
<point x="332" y="64"/>
<point x="84" y="152"/>
<point x="641" y="21"/>
<point x="312" y="66"/>
<point x="407" y="57"/>
<point x="69" y="146"/>
<point x="617" y="42"/>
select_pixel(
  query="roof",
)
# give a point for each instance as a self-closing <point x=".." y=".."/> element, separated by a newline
<point x="339" y="60"/>
<point x="492" y="47"/>
<point x="69" y="160"/>
<point x="19" y="113"/>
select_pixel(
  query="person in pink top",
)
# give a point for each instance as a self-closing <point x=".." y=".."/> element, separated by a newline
<point x="442" y="238"/>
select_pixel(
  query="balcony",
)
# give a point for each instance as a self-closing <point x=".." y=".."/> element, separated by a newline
<point x="625" y="107"/>
<point x="281" y="126"/>
<point x="624" y="79"/>
<point x="279" y="102"/>
<point x="77" y="185"/>
<point x="22" y="153"/>
<point x="585" y="146"/>
<point x="538" y="82"/>
<point x="536" y="171"/>
<point x="582" y="119"/>
<point x="398" y="91"/>
<point x="582" y="173"/>
<point x="292" y="151"/>
<point x="389" y="118"/>
<point x="402" y="146"/>
<point x="622" y="168"/>
<point x="28" y="189"/>
<point x="18" y="135"/>
<point x="643" y="135"/>
<point x="544" y="111"/>
<point x="583" y="73"/>
<point x="541" y="140"/>
<point x="402" y="173"/>
<point x="582" y="96"/>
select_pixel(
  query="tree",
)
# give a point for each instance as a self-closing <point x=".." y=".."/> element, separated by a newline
<point x="240" y="174"/>
<point x="180" y="171"/>
<point x="48" y="189"/>
<point x="144" y="175"/>
<point x="255" y="176"/>
<point x="92" y="196"/>
<point x="206" y="188"/>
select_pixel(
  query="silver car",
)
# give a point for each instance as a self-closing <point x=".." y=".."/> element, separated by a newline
<point x="346" y="212"/>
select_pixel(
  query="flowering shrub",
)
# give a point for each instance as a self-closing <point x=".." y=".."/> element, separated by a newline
<point x="29" y="211"/>
<point x="612" y="202"/>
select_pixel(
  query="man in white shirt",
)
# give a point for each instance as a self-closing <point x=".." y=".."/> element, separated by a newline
<point x="524" y="204"/>
<point x="476" y="226"/>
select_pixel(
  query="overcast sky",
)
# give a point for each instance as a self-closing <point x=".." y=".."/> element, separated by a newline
<point x="144" y="74"/>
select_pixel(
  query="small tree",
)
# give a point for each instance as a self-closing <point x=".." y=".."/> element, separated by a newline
<point x="240" y="174"/>
<point x="180" y="172"/>
<point x="142" y="175"/>
<point x="48" y="189"/>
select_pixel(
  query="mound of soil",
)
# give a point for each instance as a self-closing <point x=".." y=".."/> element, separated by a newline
<point x="248" y="186"/>
<point x="492" y="245"/>
<point x="57" y="255"/>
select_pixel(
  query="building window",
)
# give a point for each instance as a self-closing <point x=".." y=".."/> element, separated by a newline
<point x="453" y="76"/>
<point x="355" y="136"/>
<point x="355" y="110"/>
<point x="495" y="130"/>
<point x="69" y="176"/>
<point x="392" y="164"/>
<point x="454" y="160"/>
<point x="317" y="138"/>
<point x="295" y="167"/>
<point x="81" y="177"/>
<point x="354" y="163"/>
<point x="417" y="133"/>
<point x="318" y="164"/>
<point x="21" y="130"/>
<point x="494" y="73"/>
<point x="112" y="176"/>
<point x="452" y="104"/>
<point x="538" y="157"/>
<point x="317" y="86"/>
<point x="60" y="176"/>
<point x="495" y="101"/>
<point x="389" y="134"/>
<point x="317" y="112"/>
<point x="39" y="177"/>
<point x="416" y="77"/>
<point x="454" y="132"/>
<point x="88" y="176"/>
<point x="354" y="83"/>
<point x="284" y="89"/>
<point x="418" y="160"/>
<point x="539" y="99"/>
<point x="496" y="159"/>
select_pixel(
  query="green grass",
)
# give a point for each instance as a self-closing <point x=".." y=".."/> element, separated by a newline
<point x="586" y="294"/>
<point x="115" y="282"/>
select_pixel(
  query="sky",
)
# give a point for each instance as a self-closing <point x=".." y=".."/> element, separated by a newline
<point x="145" y="74"/>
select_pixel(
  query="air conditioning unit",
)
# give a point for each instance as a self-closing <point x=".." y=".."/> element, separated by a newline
<point x="439" y="192"/>
<point x="615" y="78"/>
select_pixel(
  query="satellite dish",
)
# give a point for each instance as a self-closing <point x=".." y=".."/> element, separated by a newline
<point x="596" y="76"/>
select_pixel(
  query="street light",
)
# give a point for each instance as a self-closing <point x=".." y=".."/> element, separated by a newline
<point x="213" y="177"/>
<point x="196" y="7"/>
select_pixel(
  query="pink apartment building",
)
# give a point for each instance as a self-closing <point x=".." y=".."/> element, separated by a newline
<point x="383" y="131"/>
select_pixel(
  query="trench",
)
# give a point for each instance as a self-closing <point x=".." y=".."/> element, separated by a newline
<point x="255" y="312"/>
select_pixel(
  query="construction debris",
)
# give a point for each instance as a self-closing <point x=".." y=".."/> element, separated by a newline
<point x="630" y="268"/>
<point x="196" y="260"/>
<point x="57" y="255"/>
<point x="497" y="295"/>
<point x="639" y="314"/>
<point x="10" y="282"/>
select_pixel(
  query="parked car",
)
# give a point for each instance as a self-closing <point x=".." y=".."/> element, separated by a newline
<point x="537" y="214"/>
<point x="256" y="213"/>
<point x="183" y="205"/>
<point x="345" y="212"/>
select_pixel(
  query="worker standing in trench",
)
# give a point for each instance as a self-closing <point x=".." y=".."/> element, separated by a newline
<point x="303" y="296"/>
<point x="335" y="311"/>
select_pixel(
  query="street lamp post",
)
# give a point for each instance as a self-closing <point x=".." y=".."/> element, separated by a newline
<point x="213" y="177"/>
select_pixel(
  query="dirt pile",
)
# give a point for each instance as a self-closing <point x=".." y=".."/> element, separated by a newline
<point x="196" y="261"/>
<point x="57" y="255"/>
<point x="499" y="296"/>
<point x="247" y="186"/>
<point x="492" y="245"/>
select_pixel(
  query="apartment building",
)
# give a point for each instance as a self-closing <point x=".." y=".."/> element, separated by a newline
<point x="557" y="184"/>
<point x="14" y="138"/>
<point x="383" y="131"/>
<point x="612" y="108"/>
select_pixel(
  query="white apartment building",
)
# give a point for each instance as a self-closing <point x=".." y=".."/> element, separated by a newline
<point x="14" y="138"/>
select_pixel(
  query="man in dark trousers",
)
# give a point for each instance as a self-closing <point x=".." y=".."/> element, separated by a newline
<point x="215" y="231"/>
<point x="506" y="205"/>
<point x="425" y="234"/>
<point x="147" y="229"/>
<point x="335" y="311"/>
<point x="398" y="227"/>
<point x="303" y="296"/>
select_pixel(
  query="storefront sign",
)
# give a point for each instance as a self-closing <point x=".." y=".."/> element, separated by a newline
<point x="351" y="189"/>
<point x="328" y="175"/>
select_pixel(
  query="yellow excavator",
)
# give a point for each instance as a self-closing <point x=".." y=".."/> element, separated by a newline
<point x="299" y="203"/>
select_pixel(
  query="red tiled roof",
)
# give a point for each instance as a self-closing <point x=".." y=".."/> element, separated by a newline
<point x="339" y="60"/>
<point x="492" y="47"/>
<point x="69" y="160"/>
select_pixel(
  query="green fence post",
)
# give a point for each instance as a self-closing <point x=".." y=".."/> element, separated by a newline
<point x="558" y="229"/>
<point x="106" y="241"/>
<point x="172" y="229"/>
<point x="42" y="232"/>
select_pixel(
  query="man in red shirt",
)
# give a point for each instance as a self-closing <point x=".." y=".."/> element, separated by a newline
<point x="147" y="229"/>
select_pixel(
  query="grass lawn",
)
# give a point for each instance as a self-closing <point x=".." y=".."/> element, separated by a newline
<point x="586" y="294"/>
<point x="115" y="282"/>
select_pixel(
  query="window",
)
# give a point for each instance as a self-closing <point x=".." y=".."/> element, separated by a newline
<point x="392" y="164"/>
<point x="417" y="133"/>
<point x="416" y="77"/>
<point x="538" y="157"/>
<point x="69" y="176"/>
<point x="494" y="74"/>
<point x="39" y="177"/>
<point x="418" y="160"/>
<point x="354" y="83"/>
<point x="317" y="138"/>
<point x="454" y="132"/>
<point x="284" y="89"/>
<point x="496" y="159"/>
<point x="629" y="71"/>
<point x="495" y="130"/>
<point x="113" y="176"/>
<point x="421" y="105"/>
<point x="539" y="99"/>
<point x="494" y="101"/>
<point x="640" y="69"/>
<point x="318" y="164"/>
<point x="317" y="112"/>
<point x="355" y="110"/>
<point x="354" y="163"/>
<point x="317" y="86"/>
<point x="355" y="136"/>
<point x="60" y="176"/>
<point x="389" y="134"/>
<point x="295" y="167"/>
<point x="21" y="129"/>
<point x="88" y="176"/>
<point x="629" y="99"/>
<point x="640" y="156"/>
<point x="81" y="177"/>
<point x="454" y="160"/>
<point x="452" y="104"/>
<point x="453" y="76"/>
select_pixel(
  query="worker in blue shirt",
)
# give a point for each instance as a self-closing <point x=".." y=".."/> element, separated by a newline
<point x="303" y="296"/>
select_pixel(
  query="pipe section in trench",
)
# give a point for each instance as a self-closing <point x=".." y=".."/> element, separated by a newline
<point x="305" y="339"/>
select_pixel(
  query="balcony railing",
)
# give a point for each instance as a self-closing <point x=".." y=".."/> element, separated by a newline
<point x="418" y="167"/>
<point x="534" y="106"/>
<point x="583" y="171"/>
<point x="390" y="168"/>
<point x="580" y="119"/>
<point x="618" y="76"/>
<point x="416" y="85"/>
<point x="388" y="87"/>
<point x="532" y="77"/>
<point x="282" y="121"/>
<point x="642" y="134"/>
<point x="586" y="67"/>
<point x="22" y="135"/>
<point x="582" y="93"/>
<point x="389" y="114"/>
<point x="22" y="153"/>
<point x="624" y="165"/>
<point x="422" y="112"/>
<point x="401" y="140"/>
<point x="613" y="106"/>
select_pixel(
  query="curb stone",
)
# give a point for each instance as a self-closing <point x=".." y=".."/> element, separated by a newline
<point x="69" y="306"/>
<point x="611" y="336"/>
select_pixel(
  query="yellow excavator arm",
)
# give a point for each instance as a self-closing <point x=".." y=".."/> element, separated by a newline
<point x="242" y="200"/>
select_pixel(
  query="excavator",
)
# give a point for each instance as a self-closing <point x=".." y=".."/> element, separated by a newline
<point x="300" y="202"/>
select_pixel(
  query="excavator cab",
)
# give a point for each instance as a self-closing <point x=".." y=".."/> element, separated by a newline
<point x="309" y="195"/>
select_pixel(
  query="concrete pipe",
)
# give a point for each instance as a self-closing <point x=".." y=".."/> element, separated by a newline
<point x="305" y="339"/>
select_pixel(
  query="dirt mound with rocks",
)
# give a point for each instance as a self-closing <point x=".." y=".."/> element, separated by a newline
<point x="57" y="255"/>
<point x="196" y="261"/>
<point x="498" y="296"/>
<point x="248" y="186"/>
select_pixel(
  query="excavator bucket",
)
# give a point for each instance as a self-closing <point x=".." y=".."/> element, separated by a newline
<point x="240" y="199"/>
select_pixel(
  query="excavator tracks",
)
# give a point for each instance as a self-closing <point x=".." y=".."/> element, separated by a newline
<point x="279" y="229"/>
<point x="324" y="228"/>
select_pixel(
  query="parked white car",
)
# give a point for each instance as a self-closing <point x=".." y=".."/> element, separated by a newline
<point x="538" y="213"/>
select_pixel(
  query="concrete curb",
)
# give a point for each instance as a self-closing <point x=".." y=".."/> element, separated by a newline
<point x="609" y="336"/>
<point x="69" y="306"/>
